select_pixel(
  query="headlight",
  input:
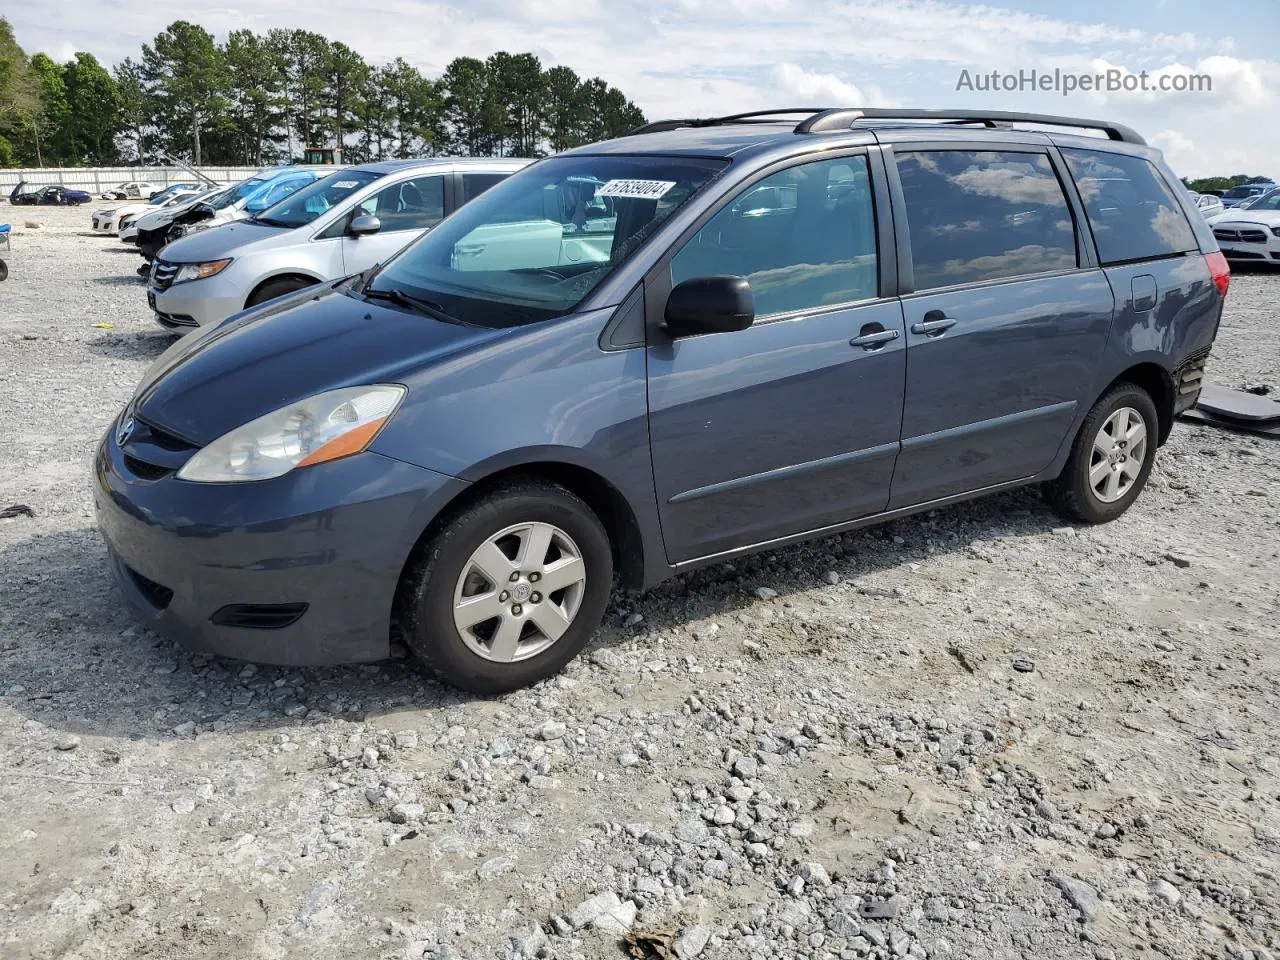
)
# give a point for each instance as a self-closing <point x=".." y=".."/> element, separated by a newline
<point x="201" y="271"/>
<point x="325" y="427"/>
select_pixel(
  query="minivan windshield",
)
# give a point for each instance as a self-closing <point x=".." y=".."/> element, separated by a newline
<point x="535" y="246"/>
<point x="299" y="209"/>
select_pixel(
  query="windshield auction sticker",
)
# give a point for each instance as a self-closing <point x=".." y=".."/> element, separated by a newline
<point x="346" y="184"/>
<point x="640" y="189"/>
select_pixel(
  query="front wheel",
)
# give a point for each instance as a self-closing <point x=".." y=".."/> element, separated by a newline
<point x="1110" y="459"/>
<point x="510" y="589"/>
<point x="276" y="288"/>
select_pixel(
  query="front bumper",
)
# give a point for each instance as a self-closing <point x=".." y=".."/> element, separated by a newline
<point x="1247" y="242"/>
<point x="300" y="570"/>
<point x="196" y="302"/>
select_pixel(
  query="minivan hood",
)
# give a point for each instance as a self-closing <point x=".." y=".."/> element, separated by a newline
<point x="250" y="365"/>
<point x="231" y="239"/>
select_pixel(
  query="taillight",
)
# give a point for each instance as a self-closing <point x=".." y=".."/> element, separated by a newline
<point x="1219" y="272"/>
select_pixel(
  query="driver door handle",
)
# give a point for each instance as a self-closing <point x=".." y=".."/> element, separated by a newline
<point x="934" y="323"/>
<point x="873" y="339"/>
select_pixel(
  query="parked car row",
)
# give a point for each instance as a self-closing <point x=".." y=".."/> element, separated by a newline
<point x="285" y="230"/>
<point x="1249" y="232"/>
<point x="640" y="356"/>
<point x="109" y="219"/>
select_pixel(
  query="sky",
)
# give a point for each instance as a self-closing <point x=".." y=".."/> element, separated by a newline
<point x="713" y="57"/>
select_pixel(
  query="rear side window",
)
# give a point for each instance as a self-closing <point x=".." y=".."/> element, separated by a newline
<point x="804" y="238"/>
<point x="984" y="215"/>
<point x="474" y="184"/>
<point x="1133" y="213"/>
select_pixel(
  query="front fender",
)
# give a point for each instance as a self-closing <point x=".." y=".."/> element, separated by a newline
<point x="541" y="394"/>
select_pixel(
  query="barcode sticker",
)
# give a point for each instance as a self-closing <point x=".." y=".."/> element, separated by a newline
<point x="640" y="189"/>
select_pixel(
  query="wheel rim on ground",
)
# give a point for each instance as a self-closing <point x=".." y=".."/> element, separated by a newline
<point x="519" y="592"/>
<point x="1119" y="450"/>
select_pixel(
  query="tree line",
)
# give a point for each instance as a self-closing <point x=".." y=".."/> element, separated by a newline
<point x="258" y="99"/>
<point x="1205" y="184"/>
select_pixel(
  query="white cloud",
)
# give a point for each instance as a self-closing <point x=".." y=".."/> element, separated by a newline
<point x="810" y="88"/>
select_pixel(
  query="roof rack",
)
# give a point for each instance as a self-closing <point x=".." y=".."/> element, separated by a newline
<point x="830" y="119"/>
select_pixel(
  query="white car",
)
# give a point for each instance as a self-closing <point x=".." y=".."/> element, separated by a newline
<point x="337" y="226"/>
<point x="127" y="222"/>
<point x="1250" y="234"/>
<point x="1209" y="204"/>
<point x="109" y="219"/>
<point x="130" y="190"/>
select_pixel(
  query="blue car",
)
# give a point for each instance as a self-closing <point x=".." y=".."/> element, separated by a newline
<point x="51" y="196"/>
<point x="655" y="353"/>
<point x="1246" y="191"/>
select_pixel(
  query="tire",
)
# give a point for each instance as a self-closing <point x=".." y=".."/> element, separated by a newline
<point x="1096" y="486"/>
<point x="446" y="571"/>
<point x="276" y="288"/>
<point x="4" y="271"/>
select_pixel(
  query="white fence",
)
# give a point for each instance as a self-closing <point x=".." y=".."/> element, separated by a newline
<point x="98" y="179"/>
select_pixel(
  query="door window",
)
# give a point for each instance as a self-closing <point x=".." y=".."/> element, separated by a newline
<point x="408" y="205"/>
<point x="984" y="215"/>
<point x="1133" y="213"/>
<point x="474" y="184"/>
<point x="804" y="238"/>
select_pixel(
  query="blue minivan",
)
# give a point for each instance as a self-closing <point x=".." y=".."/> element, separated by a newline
<point x="653" y="353"/>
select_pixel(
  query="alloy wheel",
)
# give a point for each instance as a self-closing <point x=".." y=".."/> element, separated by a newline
<point x="519" y="591"/>
<point x="1119" y="450"/>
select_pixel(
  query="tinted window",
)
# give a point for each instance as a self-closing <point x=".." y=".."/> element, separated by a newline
<point x="803" y="237"/>
<point x="474" y="184"/>
<point x="409" y="205"/>
<point x="1133" y="213"/>
<point x="984" y="215"/>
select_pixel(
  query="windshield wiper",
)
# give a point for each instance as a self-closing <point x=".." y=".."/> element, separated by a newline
<point x="421" y="305"/>
<point x="268" y="222"/>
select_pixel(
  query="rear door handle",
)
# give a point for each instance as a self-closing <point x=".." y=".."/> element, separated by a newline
<point x="874" y="340"/>
<point x="934" y="322"/>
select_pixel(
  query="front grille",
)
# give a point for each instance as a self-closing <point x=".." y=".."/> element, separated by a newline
<point x="259" y="616"/>
<point x="156" y="594"/>
<point x="1245" y="255"/>
<point x="151" y="453"/>
<point x="1240" y="235"/>
<point x="163" y="274"/>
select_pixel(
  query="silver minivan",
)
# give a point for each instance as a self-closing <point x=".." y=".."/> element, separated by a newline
<point x="335" y="227"/>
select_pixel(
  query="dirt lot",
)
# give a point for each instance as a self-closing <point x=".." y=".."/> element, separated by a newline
<point x="977" y="733"/>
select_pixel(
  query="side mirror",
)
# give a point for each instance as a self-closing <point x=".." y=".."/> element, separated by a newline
<point x="709" y="305"/>
<point x="364" y="224"/>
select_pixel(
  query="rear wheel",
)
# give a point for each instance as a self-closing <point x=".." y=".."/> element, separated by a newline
<point x="1110" y="459"/>
<point x="510" y="589"/>
<point x="4" y="271"/>
<point x="276" y="288"/>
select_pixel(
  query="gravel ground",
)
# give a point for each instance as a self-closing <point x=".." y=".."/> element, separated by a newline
<point x="975" y="733"/>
